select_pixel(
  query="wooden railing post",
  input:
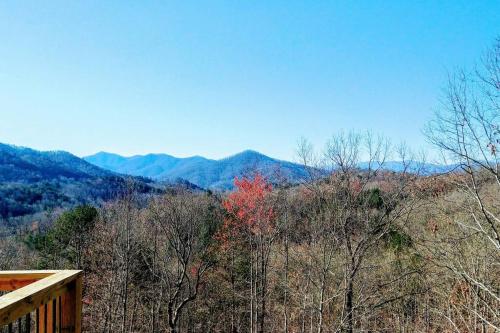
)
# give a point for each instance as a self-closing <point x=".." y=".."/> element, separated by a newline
<point x="71" y="306"/>
<point x="41" y="319"/>
<point x="48" y="317"/>
<point x="55" y="296"/>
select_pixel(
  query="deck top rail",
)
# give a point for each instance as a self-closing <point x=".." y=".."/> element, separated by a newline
<point x="55" y="296"/>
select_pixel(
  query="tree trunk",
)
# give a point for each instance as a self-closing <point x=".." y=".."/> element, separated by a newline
<point x="348" y="306"/>
<point x="262" y="288"/>
<point x="233" y="291"/>
<point x="251" y="288"/>
<point x="172" y="325"/>
<point x="285" y="298"/>
<point x="321" y="301"/>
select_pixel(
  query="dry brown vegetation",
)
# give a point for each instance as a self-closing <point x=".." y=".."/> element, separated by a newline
<point x="359" y="250"/>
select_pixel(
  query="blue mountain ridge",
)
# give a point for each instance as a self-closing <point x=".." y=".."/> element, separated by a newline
<point x="203" y="172"/>
<point x="220" y="174"/>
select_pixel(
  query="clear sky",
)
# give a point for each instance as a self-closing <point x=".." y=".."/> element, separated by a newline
<point x="214" y="78"/>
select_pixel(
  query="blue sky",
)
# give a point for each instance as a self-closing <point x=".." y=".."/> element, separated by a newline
<point x="214" y="78"/>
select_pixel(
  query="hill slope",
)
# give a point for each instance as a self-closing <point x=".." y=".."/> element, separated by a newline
<point x="32" y="181"/>
<point x="206" y="173"/>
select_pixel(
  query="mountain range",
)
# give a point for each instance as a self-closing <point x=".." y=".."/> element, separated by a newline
<point x="220" y="174"/>
<point x="201" y="171"/>
<point x="32" y="181"/>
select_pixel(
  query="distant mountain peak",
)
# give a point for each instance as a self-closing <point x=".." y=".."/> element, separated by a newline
<point x="198" y="170"/>
<point x="217" y="174"/>
<point x="247" y="154"/>
<point x="250" y="152"/>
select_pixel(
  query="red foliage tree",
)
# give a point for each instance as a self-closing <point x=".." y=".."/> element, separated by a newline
<point x="250" y="221"/>
<point x="249" y="207"/>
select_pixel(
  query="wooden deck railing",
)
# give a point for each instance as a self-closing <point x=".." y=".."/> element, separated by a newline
<point x="41" y="301"/>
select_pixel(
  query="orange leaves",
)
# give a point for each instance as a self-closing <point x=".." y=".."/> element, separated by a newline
<point x="227" y="234"/>
<point x="248" y="208"/>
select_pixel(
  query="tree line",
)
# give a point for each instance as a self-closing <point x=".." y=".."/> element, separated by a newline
<point x="357" y="249"/>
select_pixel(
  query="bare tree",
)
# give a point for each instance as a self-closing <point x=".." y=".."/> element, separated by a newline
<point x="113" y="260"/>
<point x="467" y="132"/>
<point x="183" y="255"/>
<point x="366" y="204"/>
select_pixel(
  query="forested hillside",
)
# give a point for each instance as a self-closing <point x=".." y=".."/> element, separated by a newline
<point x="33" y="181"/>
<point x="361" y="248"/>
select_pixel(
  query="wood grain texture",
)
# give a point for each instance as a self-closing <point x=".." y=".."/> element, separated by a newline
<point x="49" y="286"/>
